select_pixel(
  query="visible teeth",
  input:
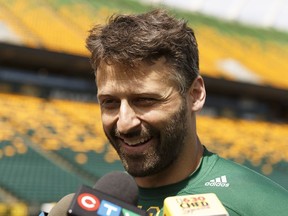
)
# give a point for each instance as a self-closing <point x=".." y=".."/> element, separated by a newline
<point x="136" y="142"/>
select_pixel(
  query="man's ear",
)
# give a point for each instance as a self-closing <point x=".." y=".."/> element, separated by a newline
<point x="197" y="94"/>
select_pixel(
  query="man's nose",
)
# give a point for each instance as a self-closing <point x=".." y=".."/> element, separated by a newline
<point x="127" y="120"/>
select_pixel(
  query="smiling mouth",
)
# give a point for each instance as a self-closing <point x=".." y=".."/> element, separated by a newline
<point x="136" y="142"/>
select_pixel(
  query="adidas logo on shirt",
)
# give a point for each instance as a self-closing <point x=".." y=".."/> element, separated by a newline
<point x="218" y="182"/>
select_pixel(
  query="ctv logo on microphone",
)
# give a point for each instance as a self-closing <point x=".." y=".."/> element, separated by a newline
<point x="90" y="202"/>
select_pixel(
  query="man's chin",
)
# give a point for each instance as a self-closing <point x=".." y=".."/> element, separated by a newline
<point x="146" y="168"/>
<point x="141" y="173"/>
<point x="136" y="168"/>
<point x="140" y="170"/>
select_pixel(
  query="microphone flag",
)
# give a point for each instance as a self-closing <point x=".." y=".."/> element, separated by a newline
<point x="196" y="205"/>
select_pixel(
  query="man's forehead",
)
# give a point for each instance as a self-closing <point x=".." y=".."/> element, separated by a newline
<point x="139" y="80"/>
<point x="116" y="72"/>
<point x="138" y="70"/>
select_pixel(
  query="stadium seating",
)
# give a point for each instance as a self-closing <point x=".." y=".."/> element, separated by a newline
<point x="267" y="60"/>
<point x="32" y="178"/>
<point x="42" y="146"/>
<point x="73" y="131"/>
<point x="49" y="147"/>
<point x="62" y="26"/>
<point x="261" y="143"/>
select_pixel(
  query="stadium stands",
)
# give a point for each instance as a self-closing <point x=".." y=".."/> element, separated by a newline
<point x="62" y="26"/>
<point x="42" y="146"/>
<point x="258" y="142"/>
<point x="32" y="178"/>
<point x="69" y="130"/>
<point x="265" y="61"/>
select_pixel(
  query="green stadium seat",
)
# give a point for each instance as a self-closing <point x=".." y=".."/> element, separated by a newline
<point x="70" y="20"/>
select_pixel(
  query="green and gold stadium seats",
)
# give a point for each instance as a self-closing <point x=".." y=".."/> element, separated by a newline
<point x="58" y="126"/>
<point x="29" y="176"/>
<point x="62" y="26"/>
<point x="264" y="59"/>
<point x="49" y="147"/>
<point x="73" y="131"/>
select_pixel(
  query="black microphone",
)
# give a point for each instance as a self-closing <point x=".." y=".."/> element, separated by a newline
<point x="115" y="194"/>
<point x="119" y="185"/>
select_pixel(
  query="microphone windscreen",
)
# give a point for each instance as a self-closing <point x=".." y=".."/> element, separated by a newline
<point x="120" y="185"/>
<point x="61" y="207"/>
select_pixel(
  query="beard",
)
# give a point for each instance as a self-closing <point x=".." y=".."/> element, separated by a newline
<point x="170" y="140"/>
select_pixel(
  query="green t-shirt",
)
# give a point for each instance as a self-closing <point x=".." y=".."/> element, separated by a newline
<point x="241" y="190"/>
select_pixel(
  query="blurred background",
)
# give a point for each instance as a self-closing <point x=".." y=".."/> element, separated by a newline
<point x="51" y="138"/>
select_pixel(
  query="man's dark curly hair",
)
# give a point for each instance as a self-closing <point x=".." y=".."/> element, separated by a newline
<point x="130" y="39"/>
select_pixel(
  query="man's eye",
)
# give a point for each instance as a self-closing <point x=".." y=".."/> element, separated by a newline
<point x="109" y="103"/>
<point x="144" y="101"/>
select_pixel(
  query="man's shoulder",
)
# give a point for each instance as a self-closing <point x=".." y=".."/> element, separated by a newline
<point x="241" y="189"/>
<point x="220" y="170"/>
<point x="242" y="175"/>
<point x="226" y="173"/>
